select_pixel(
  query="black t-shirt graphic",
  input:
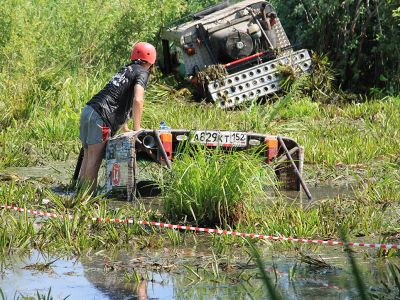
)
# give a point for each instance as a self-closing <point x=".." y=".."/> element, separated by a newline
<point x="114" y="102"/>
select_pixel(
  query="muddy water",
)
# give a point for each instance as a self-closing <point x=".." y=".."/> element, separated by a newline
<point x="102" y="277"/>
<point x="319" y="193"/>
<point x="53" y="172"/>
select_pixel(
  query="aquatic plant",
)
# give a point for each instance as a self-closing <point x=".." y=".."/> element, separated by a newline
<point x="214" y="188"/>
<point x="390" y="281"/>
<point x="314" y="263"/>
<point x="134" y="276"/>
<point x="318" y="85"/>
<point x="38" y="296"/>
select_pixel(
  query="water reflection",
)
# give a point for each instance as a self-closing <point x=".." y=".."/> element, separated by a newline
<point x="93" y="278"/>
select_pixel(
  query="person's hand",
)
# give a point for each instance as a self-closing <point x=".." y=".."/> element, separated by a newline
<point x="125" y="128"/>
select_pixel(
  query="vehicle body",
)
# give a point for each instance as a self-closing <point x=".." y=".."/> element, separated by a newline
<point x="125" y="152"/>
<point x="247" y="43"/>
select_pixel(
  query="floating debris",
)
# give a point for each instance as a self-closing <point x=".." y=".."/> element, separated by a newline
<point x="9" y="177"/>
<point x="42" y="267"/>
<point x="315" y="264"/>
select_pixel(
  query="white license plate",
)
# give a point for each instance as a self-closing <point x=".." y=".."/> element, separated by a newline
<point x="220" y="138"/>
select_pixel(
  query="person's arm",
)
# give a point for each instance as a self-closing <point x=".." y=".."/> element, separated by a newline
<point x="137" y="106"/>
<point x="125" y="127"/>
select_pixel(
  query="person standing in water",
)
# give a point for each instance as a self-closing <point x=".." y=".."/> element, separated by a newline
<point x="110" y="109"/>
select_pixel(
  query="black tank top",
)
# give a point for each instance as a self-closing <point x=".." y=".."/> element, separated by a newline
<point x="114" y="102"/>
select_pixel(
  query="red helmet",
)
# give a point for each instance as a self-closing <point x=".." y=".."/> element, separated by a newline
<point x="144" y="51"/>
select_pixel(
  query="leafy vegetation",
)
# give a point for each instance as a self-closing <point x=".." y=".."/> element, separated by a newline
<point x="360" y="38"/>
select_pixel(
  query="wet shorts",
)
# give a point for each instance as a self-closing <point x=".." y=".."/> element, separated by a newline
<point x="92" y="129"/>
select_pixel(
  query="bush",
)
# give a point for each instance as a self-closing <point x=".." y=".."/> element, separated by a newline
<point x="361" y="38"/>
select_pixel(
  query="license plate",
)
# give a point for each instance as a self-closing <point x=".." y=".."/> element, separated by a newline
<point x="220" y="138"/>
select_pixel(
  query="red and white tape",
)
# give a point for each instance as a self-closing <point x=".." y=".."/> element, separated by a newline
<point x="201" y="229"/>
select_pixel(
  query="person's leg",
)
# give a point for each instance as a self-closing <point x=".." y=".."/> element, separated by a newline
<point x="94" y="134"/>
<point x="83" y="165"/>
<point x="83" y="136"/>
<point x="93" y="162"/>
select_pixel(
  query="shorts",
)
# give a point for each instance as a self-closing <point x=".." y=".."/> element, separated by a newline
<point x="92" y="129"/>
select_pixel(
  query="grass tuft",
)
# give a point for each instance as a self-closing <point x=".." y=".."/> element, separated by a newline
<point x="214" y="188"/>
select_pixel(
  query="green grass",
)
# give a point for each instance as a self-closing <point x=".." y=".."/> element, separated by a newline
<point x="73" y="52"/>
<point x="267" y="282"/>
<point x="62" y="235"/>
<point x="388" y="287"/>
<point x="214" y="188"/>
<point x="355" y="133"/>
<point x="372" y="213"/>
<point x="331" y="135"/>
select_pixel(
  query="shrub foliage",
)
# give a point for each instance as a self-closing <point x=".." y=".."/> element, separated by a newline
<point x="361" y="37"/>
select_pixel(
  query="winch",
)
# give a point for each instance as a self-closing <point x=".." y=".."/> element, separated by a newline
<point x="246" y="38"/>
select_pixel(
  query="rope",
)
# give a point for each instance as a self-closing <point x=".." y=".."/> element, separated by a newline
<point x="201" y="229"/>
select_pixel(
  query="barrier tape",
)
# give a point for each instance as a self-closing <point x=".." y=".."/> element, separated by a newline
<point x="201" y="229"/>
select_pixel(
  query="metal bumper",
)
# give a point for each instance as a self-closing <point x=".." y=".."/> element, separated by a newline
<point x="124" y="151"/>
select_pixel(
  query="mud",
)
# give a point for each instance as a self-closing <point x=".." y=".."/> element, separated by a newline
<point x="53" y="173"/>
